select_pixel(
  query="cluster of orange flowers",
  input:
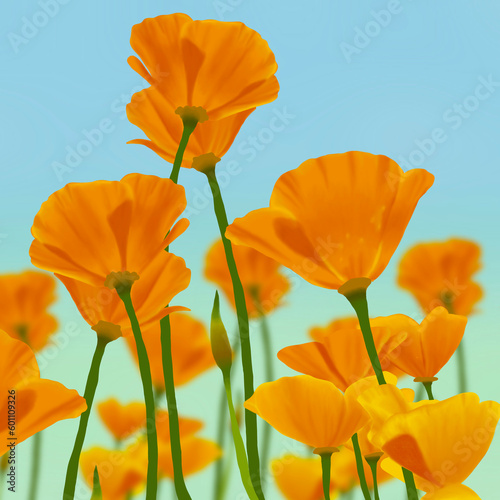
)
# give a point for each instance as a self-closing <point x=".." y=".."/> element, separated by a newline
<point x="336" y="221"/>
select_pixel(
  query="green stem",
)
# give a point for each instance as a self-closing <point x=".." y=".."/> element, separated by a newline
<point x="411" y="489"/>
<point x="269" y="374"/>
<point x="147" y="386"/>
<point x="373" y="462"/>
<point x="244" y="330"/>
<point x="326" y="467"/>
<point x="90" y="388"/>
<point x="187" y="130"/>
<point x="166" y="348"/>
<point x="360" y="305"/>
<point x="428" y="388"/>
<point x="238" y="443"/>
<point x="360" y="467"/>
<point x="35" y="466"/>
<point x="462" y="368"/>
<point x="173" y="414"/>
<point x="460" y="354"/>
<point x="221" y="439"/>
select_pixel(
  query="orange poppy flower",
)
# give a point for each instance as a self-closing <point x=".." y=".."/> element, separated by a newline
<point x="428" y="346"/>
<point x="191" y="350"/>
<point x="260" y="277"/>
<point x="222" y="70"/>
<point x="368" y="200"/>
<point x="39" y="403"/>
<point x="197" y="453"/>
<point x="85" y="231"/>
<point x="341" y="356"/>
<point x="440" y="274"/>
<point x="420" y="438"/>
<point x="120" y="471"/>
<point x="122" y="420"/>
<point x="26" y="297"/>
<point x="308" y="410"/>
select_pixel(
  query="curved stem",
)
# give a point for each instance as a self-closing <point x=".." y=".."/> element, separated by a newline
<point x="35" y="466"/>
<point x="373" y="462"/>
<point x="360" y="305"/>
<point x="411" y="489"/>
<point x="238" y="443"/>
<point x="360" y="467"/>
<point x="187" y="130"/>
<point x="147" y="386"/>
<point x="166" y="349"/>
<point x="90" y="388"/>
<point x="244" y="330"/>
<point x="428" y="388"/>
<point x="173" y="414"/>
<point x="326" y="466"/>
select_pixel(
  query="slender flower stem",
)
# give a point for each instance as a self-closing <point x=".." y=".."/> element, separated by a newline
<point x="373" y="462"/>
<point x="35" y="466"/>
<point x="326" y="468"/>
<point x="186" y="134"/>
<point x="460" y="354"/>
<point x="244" y="330"/>
<point x="269" y="374"/>
<point x="360" y="467"/>
<point x="166" y="347"/>
<point x="462" y="368"/>
<point x="221" y="440"/>
<point x="90" y="388"/>
<point x="357" y="298"/>
<point x="223" y="473"/>
<point x="238" y="442"/>
<point x="173" y="414"/>
<point x="411" y="489"/>
<point x="355" y="292"/>
<point x="428" y="388"/>
<point x="147" y="386"/>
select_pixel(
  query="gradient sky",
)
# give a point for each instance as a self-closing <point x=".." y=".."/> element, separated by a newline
<point x="423" y="87"/>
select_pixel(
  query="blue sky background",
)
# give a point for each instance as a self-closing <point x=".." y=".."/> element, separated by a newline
<point x="387" y="92"/>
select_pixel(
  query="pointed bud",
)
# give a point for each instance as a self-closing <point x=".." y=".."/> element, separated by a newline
<point x="221" y="348"/>
<point x="96" y="490"/>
